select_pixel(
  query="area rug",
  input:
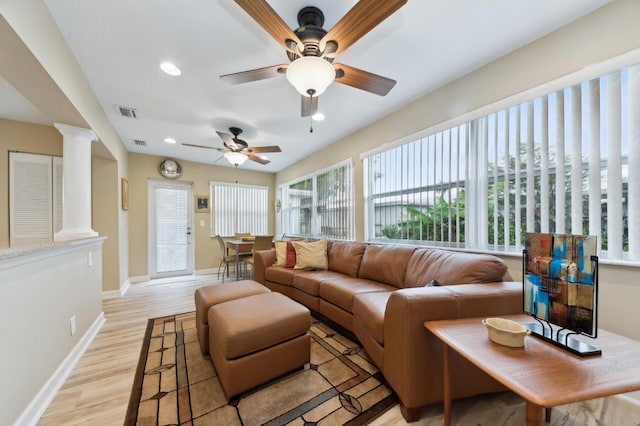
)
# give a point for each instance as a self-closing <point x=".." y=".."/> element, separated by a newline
<point x="176" y="384"/>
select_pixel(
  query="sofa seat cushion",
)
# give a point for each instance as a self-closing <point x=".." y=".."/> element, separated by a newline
<point x="282" y="275"/>
<point x="385" y="263"/>
<point x="310" y="283"/>
<point x="340" y="291"/>
<point x="452" y="267"/>
<point x="368" y="310"/>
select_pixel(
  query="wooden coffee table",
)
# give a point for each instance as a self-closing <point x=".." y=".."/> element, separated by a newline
<point x="541" y="373"/>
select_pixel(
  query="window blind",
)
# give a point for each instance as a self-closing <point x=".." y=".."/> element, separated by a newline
<point x="566" y="162"/>
<point x="239" y="208"/>
<point x="172" y="223"/>
<point x="320" y="205"/>
<point x="415" y="192"/>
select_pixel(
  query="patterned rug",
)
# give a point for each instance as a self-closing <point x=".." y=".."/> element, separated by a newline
<point x="176" y="384"/>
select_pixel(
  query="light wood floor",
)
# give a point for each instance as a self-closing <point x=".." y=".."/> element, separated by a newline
<point x="97" y="390"/>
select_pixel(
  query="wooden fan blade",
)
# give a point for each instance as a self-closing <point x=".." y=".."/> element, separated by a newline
<point x="363" y="80"/>
<point x="308" y="105"/>
<point x="255" y="75"/>
<point x="362" y="18"/>
<point x="272" y="23"/>
<point x="257" y="159"/>
<point x="228" y="141"/>
<point x="202" y="146"/>
<point x="259" y="149"/>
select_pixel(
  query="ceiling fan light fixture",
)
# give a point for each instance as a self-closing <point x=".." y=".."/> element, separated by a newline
<point x="311" y="73"/>
<point x="235" y="158"/>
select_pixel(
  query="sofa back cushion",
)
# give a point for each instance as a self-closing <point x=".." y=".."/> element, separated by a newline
<point x="385" y="263"/>
<point x="451" y="267"/>
<point x="345" y="257"/>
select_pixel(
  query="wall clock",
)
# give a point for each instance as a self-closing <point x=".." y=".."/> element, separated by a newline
<point x="170" y="169"/>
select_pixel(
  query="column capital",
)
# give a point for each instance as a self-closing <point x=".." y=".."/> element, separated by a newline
<point x="72" y="131"/>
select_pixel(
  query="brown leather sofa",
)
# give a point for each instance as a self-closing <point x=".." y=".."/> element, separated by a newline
<point x="385" y="293"/>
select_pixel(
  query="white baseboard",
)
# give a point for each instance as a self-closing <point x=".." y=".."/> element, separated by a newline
<point x="125" y="287"/>
<point x="140" y="279"/>
<point x="116" y="293"/>
<point x="629" y="399"/>
<point x="110" y="294"/>
<point x="210" y="271"/>
<point x="43" y="398"/>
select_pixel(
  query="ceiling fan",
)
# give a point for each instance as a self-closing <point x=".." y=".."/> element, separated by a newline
<point x="312" y="49"/>
<point x="238" y="151"/>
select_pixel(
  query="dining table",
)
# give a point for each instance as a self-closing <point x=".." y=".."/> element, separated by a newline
<point x="241" y="246"/>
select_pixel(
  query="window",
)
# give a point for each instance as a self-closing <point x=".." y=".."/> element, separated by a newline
<point x="239" y="208"/>
<point x="566" y="162"/>
<point x="320" y="205"/>
<point x="35" y="192"/>
<point x="416" y="192"/>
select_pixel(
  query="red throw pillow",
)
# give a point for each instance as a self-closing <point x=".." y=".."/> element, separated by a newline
<point x="291" y="256"/>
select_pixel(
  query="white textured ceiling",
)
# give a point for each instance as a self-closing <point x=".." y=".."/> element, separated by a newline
<point x="427" y="43"/>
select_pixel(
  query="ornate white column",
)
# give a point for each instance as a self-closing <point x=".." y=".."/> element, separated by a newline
<point x="76" y="183"/>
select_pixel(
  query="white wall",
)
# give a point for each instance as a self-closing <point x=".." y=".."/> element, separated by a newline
<point x="571" y="52"/>
<point x="41" y="290"/>
<point x="41" y="39"/>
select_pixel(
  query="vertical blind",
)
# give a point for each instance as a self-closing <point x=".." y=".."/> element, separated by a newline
<point x="566" y="162"/>
<point x="320" y="205"/>
<point x="416" y="192"/>
<point x="239" y="208"/>
<point x="172" y="223"/>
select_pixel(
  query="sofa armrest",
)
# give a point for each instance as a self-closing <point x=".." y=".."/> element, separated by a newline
<point x="261" y="260"/>
<point x="412" y="355"/>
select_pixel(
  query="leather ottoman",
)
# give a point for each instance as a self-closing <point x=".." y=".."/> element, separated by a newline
<point x="210" y="295"/>
<point x="256" y="339"/>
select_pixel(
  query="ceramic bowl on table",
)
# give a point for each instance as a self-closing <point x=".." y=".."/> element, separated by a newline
<point x="506" y="332"/>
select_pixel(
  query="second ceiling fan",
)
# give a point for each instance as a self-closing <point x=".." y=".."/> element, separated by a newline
<point x="236" y="150"/>
<point x="312" y="49"/>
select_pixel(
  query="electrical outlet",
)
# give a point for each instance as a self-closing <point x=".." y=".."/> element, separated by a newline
<point x="72" y="323"/>
<point x="90" y="258"/>
<point x="202" y="223"/>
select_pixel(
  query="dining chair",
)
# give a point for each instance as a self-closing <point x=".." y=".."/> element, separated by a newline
<point x="261" y="242"/>
<point x="223" y="258"/>
<point x="244" y="236"/>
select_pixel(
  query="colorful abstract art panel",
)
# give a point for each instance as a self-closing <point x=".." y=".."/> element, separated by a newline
<point x="561" y="280"/>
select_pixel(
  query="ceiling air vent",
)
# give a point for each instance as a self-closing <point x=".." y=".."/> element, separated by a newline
<point x="140" y="142"/>
<point x="127" y="112"/>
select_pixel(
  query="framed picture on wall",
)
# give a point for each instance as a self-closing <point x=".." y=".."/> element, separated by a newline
<point x="202" y="204"/>
<point x="125" y="194"/>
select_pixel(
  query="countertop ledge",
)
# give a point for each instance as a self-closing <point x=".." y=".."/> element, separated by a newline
<point x="13" y="252"/>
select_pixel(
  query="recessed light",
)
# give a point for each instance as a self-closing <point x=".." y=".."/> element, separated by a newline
<point x="169" y="140"/>
<point x="318" y="116"/>
<point x="170" y="68"/>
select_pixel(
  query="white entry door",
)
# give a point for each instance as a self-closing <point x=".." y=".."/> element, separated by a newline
<point x="170" y="228"/>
